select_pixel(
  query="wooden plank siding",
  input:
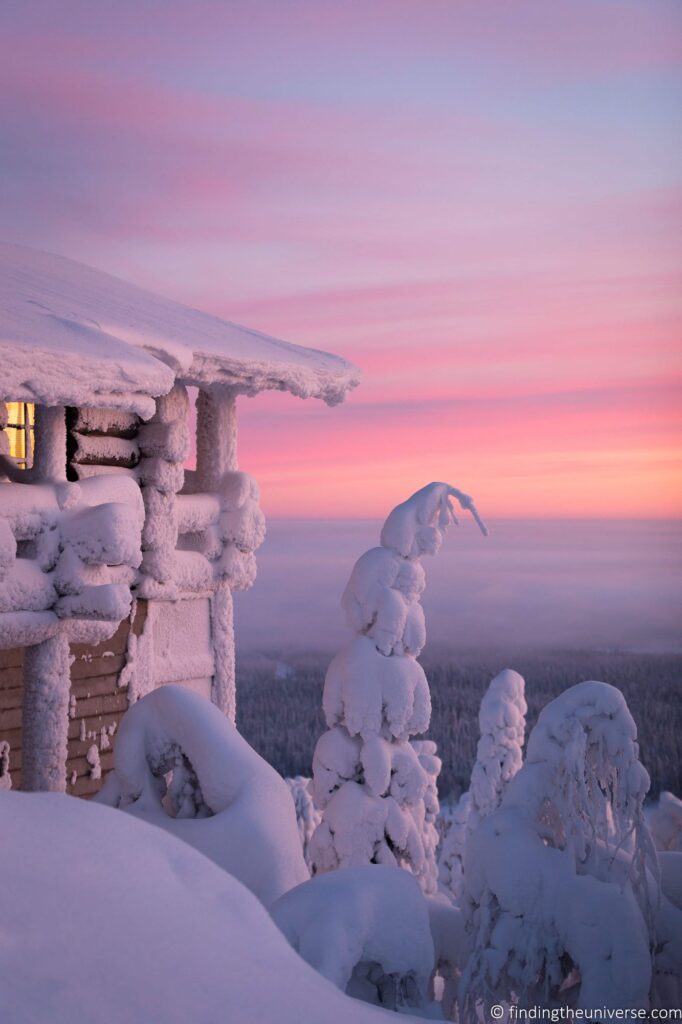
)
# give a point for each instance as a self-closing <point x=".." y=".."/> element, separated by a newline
<point x="97" y="704"/>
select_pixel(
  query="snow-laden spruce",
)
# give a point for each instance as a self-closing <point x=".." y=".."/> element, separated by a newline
<point x="499" y="756"/>
<point x="376" y="789"/>
<point x="665" y="823"/>
<point x="561" y="881"/>
<point x="307" y="815"/>
<point x="223" y="798"/>
<point x="366" y="929"/>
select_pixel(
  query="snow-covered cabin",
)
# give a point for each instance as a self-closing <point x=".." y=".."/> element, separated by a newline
<point x="117" y="562"/>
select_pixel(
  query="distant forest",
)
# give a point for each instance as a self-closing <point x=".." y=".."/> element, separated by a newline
<point x="279" y="705"/>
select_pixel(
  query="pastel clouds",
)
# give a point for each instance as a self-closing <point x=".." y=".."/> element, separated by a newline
<point x="478" y="202"/>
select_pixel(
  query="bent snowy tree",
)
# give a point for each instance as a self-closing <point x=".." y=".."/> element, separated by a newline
<point x="376" y="789"/>
<point x="222" y="798"/>
<point x="561" y="882"/>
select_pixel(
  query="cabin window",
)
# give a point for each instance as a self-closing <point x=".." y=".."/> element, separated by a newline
<point x="19" y="430"/>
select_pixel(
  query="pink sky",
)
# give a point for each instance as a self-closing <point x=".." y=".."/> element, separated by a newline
<point x="477" y="202"/>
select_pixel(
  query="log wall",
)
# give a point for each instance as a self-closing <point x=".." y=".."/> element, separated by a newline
<point x="96" y="705"/>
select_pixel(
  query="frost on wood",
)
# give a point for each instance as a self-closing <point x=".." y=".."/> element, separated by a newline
<point x="68" y="555"/>
<point x="499" y="756"/>
<point x="377" y="790"/>
<point x="222" y="797"/>
<point x="560" y="882"/>
<point x="45" y="714"/>
<point x="5" y="777"/>
<point x="351" y="926"/>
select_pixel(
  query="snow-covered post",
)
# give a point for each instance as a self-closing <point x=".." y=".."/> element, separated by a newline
<point x="499" y="756"/>
<point x="45" y="715"/>
<point x="216" y="438"/>
<point x="217" y="455"/>
<point x="369" y="780"/>
<point x="164" y="445"/>
<point x="47" y="675"/>
<point x="49" y="450"/>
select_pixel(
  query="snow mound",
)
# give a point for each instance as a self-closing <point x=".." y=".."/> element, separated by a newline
<point x="222" y="798"/>
<point x="104" y="918"/>
<point x="366" y="929"/>
<point x="72" y="335"/>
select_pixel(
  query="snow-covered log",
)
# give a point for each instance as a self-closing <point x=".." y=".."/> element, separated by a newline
<point x="45" y="714"/>
<point x="499" y="756"/>
<point x="223" y="798"/>
<point x="560" y="882"/>
<point x="376" y="790"/>
<point x="366" y="930"/>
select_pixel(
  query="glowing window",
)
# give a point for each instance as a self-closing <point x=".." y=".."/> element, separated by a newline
<point x="19" y="431"/>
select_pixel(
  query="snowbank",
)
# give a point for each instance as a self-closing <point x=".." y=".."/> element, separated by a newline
<point x="366" y="929"/>
<point x="104" y="918"/>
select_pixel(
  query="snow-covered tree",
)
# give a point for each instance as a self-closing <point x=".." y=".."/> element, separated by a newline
<point x="375" y="789"/>
<point x="307" y="814"/>
<point x="665" y="822"/>
<point x="561" y="881"/>
<point x="499" y="756"/>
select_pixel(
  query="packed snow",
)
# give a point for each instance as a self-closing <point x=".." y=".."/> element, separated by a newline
<point x="366" y="929"/>
<point x="72" y="335"/>
<point x="110" y="919"/>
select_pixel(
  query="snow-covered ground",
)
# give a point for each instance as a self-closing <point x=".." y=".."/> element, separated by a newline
<point x="105" y="918"/>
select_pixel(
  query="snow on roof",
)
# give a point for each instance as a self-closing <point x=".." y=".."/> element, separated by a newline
<point x="72" y="335"/>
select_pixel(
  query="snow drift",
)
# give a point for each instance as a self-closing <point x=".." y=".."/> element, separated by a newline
<point x="122" y="922"/>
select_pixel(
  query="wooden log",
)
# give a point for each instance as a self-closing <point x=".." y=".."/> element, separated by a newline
<point x="10" y="697"/>
<point x="104" y="705"/>
<point x="95" y="667"/>
<point x="13" y="657"/>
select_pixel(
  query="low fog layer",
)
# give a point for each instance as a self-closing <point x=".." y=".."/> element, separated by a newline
<point x="576" y="584"/>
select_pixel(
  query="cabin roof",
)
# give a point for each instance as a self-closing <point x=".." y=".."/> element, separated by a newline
<point x="73" y="335"/>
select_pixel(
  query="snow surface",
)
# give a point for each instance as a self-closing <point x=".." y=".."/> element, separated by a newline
<point x="72" y="335"/>
<point x="123" y="922"/>
<point x="226" y="800"/>
<point x="369" y="924"/>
